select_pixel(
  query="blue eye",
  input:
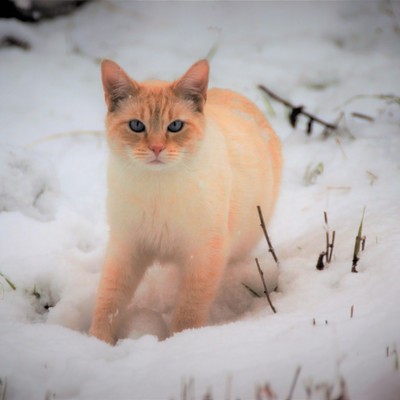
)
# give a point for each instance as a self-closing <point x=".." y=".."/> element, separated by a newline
<point x="137" y="126"/>
<point x="175" y="126"/>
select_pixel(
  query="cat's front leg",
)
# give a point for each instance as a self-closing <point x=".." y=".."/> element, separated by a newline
<point x="122" y="274"/>
<point x="199" y="285"/>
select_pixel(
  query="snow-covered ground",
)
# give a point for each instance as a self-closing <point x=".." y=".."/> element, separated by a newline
<point x="53" y="231"/>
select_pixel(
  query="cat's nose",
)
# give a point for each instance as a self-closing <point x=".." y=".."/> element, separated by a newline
<point x="157" y="149"/>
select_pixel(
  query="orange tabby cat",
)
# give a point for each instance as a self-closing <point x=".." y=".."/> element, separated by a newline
<point x="187" y="169"/>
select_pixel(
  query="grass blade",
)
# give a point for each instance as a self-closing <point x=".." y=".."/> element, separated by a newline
<point x="13" y="287"/>
<point x="357" y="244"/>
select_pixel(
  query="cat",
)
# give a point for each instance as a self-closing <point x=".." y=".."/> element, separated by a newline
<point x="187" y="168"/>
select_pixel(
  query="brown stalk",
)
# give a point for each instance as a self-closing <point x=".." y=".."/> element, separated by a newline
<point x="332" y="244"/>
<point x="362" y="116"/>
<point x="298" y="110"/>
<point x="359" y="244"/>
<point x="296" y="377"/>
<point x="329" y="243"/>
<point x="265" y="286"/>
<point x="262" y="224"/>
<point x="329" y="246"/>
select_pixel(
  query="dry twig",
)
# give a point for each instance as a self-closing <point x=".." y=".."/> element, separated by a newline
<point x="295" y="111"/>
<point x="7" y="279"/>
<point x="262" y="224"/>
<point x="362" y="116"/>
<point x="358" y="245"/>
<point x="329" y="246"/>
<point x="296" y="377"/>
<point x="320" y="262"/>
<point x="329" y="243"/>
<point x="252" y="291"/>
<point x="265" y="286"/>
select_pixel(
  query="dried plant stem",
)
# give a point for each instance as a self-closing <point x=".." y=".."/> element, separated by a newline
<point x="396" y="359"/>
<point x="7" y="279"/>
<point x="296" y="110"/>
<point x="362" y="116"/>
<point x="252" y="291"/>
<point x="187" y="389"/>
<point x="331" y="246"/>
<point x="265" y="286"/>
<point x="354" y="263"/>
<point x="320" y="261"/>
<point x="262" y="224"/>
<point x="363" y="239"/>
<point x="296" y="377"/>
<point x="329" y="243"/>
<point x="359" y="244"/>
<point x="327" y="235"/>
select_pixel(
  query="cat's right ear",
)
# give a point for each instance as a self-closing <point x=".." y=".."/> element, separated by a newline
<point x="116" y="84"/>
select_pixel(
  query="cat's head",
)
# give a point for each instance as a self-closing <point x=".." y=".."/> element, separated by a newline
<point x="155" y="125"/>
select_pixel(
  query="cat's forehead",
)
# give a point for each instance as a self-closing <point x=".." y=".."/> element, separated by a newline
<point x="155" y="84"/>
<point x="155" y="91"/>
<point x="159" y="98"/>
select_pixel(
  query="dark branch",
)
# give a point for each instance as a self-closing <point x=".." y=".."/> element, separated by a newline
<point x="296" y="377"/>
<point x="320" y="262"/>
<point x="262" y="224"/>
<point x="265" y="286"/>
<point x="331" y="246"/>
<point x="362" y="116"/>
<point x="252" y="291"/>
<point x="354" y="265"/>
<point x="298" y="110"/>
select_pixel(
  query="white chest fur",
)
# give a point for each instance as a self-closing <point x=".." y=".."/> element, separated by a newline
<point x="170" y="211"/>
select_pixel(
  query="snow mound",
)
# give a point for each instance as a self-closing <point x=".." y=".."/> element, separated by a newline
<point x="28" y="183"/>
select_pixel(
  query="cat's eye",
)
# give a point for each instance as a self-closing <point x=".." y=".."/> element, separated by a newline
<point x="137" y="126"/>
<point x="175" y="126"/>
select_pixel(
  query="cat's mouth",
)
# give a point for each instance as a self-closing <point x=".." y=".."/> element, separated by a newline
<point x="156" y="161"/>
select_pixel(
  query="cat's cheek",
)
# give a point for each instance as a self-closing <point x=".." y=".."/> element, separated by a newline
<point x="187" y="143"/>
<point x="118" y="148"/>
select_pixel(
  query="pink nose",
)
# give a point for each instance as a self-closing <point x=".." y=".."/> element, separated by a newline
<point x="157" y="149"/>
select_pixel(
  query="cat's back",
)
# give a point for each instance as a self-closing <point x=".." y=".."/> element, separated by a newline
<point x="234" y="112"/>
<point x="249" y="136"/>
<point x="254" y="157"/>
<point x="232" y="101"/>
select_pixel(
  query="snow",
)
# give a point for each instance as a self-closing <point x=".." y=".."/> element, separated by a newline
<point x="53" y="230"/>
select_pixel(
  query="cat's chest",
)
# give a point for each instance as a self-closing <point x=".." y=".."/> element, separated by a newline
<point x="163" y="216"/>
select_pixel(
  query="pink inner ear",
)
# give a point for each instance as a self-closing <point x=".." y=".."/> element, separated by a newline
<point x="112" y="75"/>
<point x="195" y="80"/>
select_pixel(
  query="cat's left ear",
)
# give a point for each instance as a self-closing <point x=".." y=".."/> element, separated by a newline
<point x="116" y="84"/>
<point x="193" y="85"/>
